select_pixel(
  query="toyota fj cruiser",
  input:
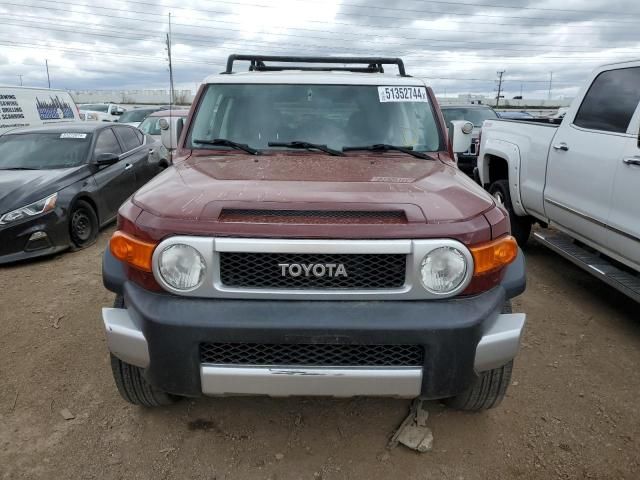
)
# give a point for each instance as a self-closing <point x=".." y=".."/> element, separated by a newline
<point x="314" y="237"/>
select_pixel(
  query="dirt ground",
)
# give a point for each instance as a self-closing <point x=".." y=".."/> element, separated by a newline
<point x="571" y="412"/>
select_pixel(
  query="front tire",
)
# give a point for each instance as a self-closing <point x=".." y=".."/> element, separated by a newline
<point x="83" y="225"/>
<point x="488" y="390"/>
<point x="131" y="384"/>
<point x="520" y="226"/>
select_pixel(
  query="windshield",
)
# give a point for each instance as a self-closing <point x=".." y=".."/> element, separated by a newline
<point x="41" y="151"/>
<point x="95" y="108"/>
<point x="334" y="115"/>
<point x="133" y="116"/>
<point x="150" y="125"/>
<point x="473" y="115"/>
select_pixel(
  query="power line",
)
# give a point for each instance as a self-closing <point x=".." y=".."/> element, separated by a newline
<point x="323" y="38"/>
<point x="333" y="22"/>
<point x="93" y="32"/>
<point x="412" y="11"/>
<point x="513" y="59"/>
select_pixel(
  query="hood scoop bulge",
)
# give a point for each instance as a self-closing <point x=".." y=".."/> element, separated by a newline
<point x="312" y="217"/>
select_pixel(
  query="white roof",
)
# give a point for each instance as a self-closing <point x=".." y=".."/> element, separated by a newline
<point x="315" y="78"/>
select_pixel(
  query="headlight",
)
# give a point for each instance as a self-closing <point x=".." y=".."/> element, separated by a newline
<point x="35" y="208"/>
<point x="443" y="270"/>
<point x="182" y="266"/>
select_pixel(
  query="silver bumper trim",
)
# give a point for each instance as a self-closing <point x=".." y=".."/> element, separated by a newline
<point x="500" y="343"/>
<point x="124" y="338"/>
<point x="305" y="381"/>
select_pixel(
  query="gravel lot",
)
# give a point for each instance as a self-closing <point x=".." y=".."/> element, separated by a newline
<point x="572" y="411"/>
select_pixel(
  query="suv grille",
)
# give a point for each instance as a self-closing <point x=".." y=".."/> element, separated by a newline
<point x="263" y="270"/>
<point x="311" y="354"/>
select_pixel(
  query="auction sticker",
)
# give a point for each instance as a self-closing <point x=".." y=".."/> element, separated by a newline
<point x="73" y="135"/>
<point x="403" y="94"/>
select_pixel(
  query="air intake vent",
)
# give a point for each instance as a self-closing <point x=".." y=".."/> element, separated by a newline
<point x="313" y="217"/>
<point x="311" y="354"/>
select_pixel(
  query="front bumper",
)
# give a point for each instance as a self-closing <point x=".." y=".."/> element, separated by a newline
<point x="15" y="241"/>
<point x="162" y="334"/>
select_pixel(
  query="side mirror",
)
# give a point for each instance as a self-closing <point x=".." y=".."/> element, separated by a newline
<point x="104" y="159"/>
<point x="170" y="136"/>
<point x="461" y="133"/>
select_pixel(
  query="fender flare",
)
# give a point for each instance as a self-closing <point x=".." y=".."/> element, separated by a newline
<point x="510" y="153"/>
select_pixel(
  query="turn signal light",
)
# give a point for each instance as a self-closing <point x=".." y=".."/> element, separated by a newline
<point x="131" y="250"/>
<point x="493" y="256"/>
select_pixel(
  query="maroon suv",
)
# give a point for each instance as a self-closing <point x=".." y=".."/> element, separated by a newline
<point x="314" y="237"/>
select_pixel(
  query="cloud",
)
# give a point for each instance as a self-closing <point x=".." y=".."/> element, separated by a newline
<point x="457" y="45"/>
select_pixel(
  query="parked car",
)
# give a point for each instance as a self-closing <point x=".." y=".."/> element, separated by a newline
<point x="475" y="114"/>
<point x="60" y="183"/>
<point x="314" y="237"/>
<point x="513" y="115"/>
<point x="24" y="107"/>
<point x="580" y="175"/>
<point x="101" y="112"/>
<point x="135" y="116"/>
<point x="173" y="121"/>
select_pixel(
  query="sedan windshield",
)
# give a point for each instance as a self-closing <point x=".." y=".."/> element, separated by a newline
<point x="150" y="125"/>
<point x="335" y="116"/>
<point x="133" y="116"/>
<point x="473" y="115"/>
<point x="42" y="151"/>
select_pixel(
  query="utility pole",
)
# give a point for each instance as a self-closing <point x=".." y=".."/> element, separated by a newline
<point x="171" y="92"/>
<point x="20" y="77"/>
<point x="499" y="81"/>
<point x="550" y="83"/>
<point x="46" y="64"/>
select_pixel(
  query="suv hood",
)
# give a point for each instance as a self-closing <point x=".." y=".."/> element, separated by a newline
<point x="200" y="187"/>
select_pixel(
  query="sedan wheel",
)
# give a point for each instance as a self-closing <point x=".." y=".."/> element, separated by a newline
<point x="83" y="225"/>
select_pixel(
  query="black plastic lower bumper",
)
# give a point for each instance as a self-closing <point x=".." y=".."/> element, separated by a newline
<point x="15" y="244"/>
<point x="448" y="330"/>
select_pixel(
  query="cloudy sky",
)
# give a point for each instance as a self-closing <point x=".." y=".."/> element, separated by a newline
<point x="458" y="45"/>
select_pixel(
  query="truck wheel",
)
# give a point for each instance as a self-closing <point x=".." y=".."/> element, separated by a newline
<point x="132" y="386"/>
<point x="489" y="388"/>
<point x="520" y="226"/>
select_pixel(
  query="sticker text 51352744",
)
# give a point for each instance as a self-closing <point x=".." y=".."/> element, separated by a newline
<point x="403" y="94"/>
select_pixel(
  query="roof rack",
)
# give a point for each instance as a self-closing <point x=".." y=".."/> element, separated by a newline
<point x="373" y="64"/>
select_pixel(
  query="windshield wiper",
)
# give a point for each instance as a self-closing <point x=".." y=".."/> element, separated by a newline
<point x="19" y="168"/>
<point x="386" y="147"/>
<point x="307" y="146"/>
<point x="223" y="142"/>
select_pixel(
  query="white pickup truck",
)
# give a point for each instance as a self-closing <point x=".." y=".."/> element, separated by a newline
<point x="101" y="112"/>
<point x="580" y="175"/>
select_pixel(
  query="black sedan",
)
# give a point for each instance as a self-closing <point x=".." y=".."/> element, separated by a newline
<point x="60" y="183"/>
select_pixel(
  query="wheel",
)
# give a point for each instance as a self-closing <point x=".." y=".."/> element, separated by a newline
<point x="133" y="387"/>
<point x="486" y="392"/>
<point x="83" y="224"/>
<point x="489" y="388"/>
<point x="520" y="226"/>
<point x="131" y="384"/>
